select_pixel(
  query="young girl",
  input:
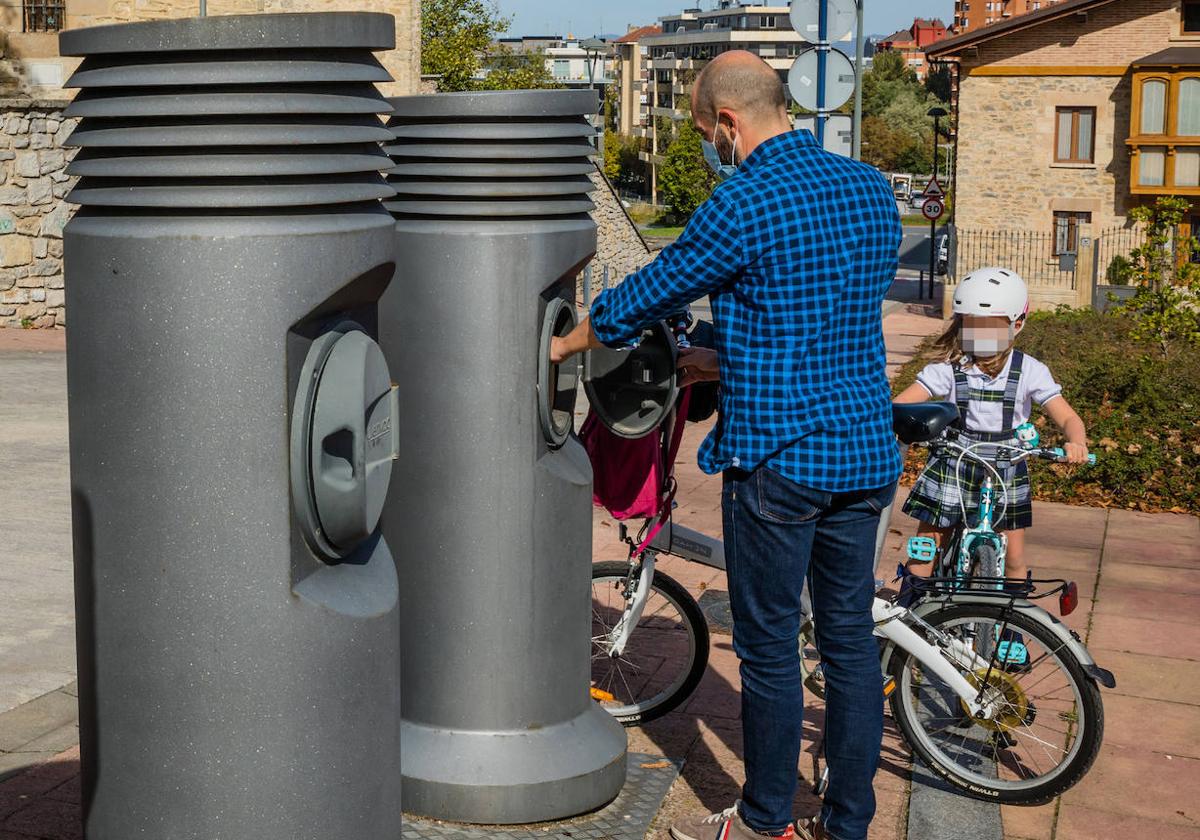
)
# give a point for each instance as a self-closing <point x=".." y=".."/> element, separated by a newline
<point x="994" y="387"/>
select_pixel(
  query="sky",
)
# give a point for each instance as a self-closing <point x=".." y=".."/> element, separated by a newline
<point x="584" y="18"/>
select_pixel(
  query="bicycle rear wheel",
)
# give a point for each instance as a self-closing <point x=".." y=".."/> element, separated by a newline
<point x="1050" y="720"/>
<point x="665" y="656"/>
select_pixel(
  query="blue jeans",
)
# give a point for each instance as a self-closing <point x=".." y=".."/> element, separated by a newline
<point x="777" y="533"/>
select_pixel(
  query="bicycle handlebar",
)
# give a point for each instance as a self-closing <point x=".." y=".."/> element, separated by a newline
<point x="1060" y="455"/>
<point x="1057" y="454"/>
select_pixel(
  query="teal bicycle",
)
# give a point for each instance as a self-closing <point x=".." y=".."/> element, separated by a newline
<point x="977" y="553"/>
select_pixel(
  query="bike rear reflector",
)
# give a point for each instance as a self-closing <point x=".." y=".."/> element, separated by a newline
<point x="1069" y="599"/>
<point x="601" y="696"/>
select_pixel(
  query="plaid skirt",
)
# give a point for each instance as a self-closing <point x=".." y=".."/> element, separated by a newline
<point x="935" y="497"/>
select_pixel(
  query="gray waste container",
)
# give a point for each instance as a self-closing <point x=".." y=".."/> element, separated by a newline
<point x="232" y="430"/>
<point x="492" y="227"/>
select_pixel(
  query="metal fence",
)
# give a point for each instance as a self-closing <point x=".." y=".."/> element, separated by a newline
<point x="42" y="15"/>
<point x="1112" y="248"/>
<point x="1035" y="255"/>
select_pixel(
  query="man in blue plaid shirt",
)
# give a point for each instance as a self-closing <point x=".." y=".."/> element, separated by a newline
<point x="796" y="249"/>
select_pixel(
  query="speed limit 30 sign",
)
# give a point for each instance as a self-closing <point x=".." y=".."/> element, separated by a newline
<point x="932" y="209"/>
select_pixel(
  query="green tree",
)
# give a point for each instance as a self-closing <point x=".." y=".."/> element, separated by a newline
<point x="622" y="165"/>
<point x="454" y="34"/>
<point x="509" y="70"/>
<point x="685" y="179"/>
<point x="937" y="82"/>
<point x="1164" y="307"/>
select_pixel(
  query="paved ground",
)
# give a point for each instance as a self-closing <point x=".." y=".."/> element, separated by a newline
<point x="37" y="631"/>
<point x="1138" y="574"/>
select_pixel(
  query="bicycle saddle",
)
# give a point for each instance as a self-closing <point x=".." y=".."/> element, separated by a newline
<point x="922" y="422"/>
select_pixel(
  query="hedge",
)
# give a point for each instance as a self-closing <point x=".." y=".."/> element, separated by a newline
<point x="1141" y="409"/>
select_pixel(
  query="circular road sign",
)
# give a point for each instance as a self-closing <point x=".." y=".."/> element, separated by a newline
<point x="806" y="19"/>
<point x="839" y="80"/>
<point x="933" y="209"/>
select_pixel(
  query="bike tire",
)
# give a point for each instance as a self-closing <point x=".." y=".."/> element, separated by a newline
<point x="1091" y="736"/>
<point x="670" y="589"/>
<point x="986" y="562"/>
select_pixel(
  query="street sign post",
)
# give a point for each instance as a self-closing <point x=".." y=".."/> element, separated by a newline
<point x="817" y="75"/>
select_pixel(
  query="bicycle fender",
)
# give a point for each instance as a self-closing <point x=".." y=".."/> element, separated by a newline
<point x="1066" y="635"/>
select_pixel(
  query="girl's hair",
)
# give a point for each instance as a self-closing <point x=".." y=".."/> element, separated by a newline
<point x="948" y="348"/>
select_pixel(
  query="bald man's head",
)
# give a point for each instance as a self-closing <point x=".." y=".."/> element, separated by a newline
<point x="741" y="82"/>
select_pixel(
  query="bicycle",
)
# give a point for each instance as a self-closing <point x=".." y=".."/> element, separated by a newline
<point x="976" y="724"/>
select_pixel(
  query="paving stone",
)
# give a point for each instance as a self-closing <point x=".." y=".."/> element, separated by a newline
<point x="1087" y="823"/>
<point x="1146" y="635"/>
<point x="49" y="819"/>
<point x="1028" y="823"/>
<point x="1154" y="725"/>
<point x="1141" y="603"/>
<point x="36" y="718"/>
<point x="1142" y="784"/>
<point x="55" y="741"/>
<point x="1153" y="677"/>
<point x="1141" y="551"/>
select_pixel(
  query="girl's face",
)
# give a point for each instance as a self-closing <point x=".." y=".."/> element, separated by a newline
<point x="984" y="336"/>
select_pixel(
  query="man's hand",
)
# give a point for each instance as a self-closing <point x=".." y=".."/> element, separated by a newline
<point x="576" y="341"/>
<point x="697" y="364"/>
<point x="1077" y="453"/>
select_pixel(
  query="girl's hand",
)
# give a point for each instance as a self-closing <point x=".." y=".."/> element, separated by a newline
<point x="1077" y="453"/>
<point x="697" y="364"/>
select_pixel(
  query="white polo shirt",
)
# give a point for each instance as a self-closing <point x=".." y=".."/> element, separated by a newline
<point x="1036" y="385"/>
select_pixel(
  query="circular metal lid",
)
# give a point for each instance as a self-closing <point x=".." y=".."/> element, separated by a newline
<point x="558" y="384"/>
<point x="343" y="440"/>
<point x="632" y="391"/>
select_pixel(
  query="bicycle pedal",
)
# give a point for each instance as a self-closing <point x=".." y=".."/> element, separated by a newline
<point x="922" y="549"/>
<point x="1013" y="656"/>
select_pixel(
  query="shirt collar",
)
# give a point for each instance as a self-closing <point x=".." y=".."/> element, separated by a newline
<point x="780" y="144"/>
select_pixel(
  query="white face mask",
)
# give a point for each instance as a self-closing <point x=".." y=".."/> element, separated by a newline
<point x="983" y="342"/>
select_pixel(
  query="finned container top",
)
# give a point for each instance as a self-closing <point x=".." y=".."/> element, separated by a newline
<point x="492" y="154"/>
<point x="239" y="111"/>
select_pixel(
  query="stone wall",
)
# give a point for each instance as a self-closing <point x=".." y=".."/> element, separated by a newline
<point x="33" y="183"/>
<point x="619" y="244"/>
<point x="1006" y="176"/>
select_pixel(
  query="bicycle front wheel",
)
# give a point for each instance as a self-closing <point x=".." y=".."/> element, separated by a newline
<point x="665" y="656"/>
<point x="1049" y="722"/>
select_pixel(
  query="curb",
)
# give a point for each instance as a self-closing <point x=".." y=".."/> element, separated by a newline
<point x="38" y="730"/>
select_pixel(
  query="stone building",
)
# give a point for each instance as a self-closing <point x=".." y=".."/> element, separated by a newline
<point x="1066" y="118"/>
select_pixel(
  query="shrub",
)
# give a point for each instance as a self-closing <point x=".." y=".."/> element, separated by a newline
<point x="1141" y="408"/>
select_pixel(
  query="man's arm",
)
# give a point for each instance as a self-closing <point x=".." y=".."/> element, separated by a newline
<point x="702" y="260"/>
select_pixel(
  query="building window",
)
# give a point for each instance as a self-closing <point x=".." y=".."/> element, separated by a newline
<point x="1187" y="167"/>
<point x="1154" y="107"/>
<point x="1189" y="107"/>
<point x="42" y="15"/>
<point x="767" y="22"/>
<point x="1191" y="16"/>
<point x="1152" y="166"/>
<point x="1066" y="231"/>
<point x="1074" y="132"/>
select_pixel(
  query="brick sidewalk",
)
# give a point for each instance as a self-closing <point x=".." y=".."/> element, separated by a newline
<point x="1137" y="611"/>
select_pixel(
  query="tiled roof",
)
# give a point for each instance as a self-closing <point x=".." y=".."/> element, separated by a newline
<point x="638" y="34"/>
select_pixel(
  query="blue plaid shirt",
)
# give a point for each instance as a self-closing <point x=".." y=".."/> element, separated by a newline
<point x="796" y="251"/>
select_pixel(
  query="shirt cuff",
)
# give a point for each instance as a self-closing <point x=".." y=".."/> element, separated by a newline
<point x="608" y="333"/>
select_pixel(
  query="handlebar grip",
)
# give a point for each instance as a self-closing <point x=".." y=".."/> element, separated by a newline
<point x="1061" y="453"/>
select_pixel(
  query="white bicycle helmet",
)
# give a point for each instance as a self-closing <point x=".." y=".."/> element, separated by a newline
<point x="992" y="291"/>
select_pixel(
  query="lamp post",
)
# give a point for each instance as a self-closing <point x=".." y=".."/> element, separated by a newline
<point x="937" y="113"/>
<point x="594" y="48"/>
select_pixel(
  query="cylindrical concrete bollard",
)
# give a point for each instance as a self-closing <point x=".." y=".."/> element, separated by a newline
<point x="492" y="228"/>
<point x="232" y="430"/>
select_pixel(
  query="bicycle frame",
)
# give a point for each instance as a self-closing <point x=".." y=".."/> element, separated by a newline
<point x="696" y="547"/>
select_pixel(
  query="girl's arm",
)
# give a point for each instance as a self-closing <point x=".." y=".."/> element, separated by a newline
<point x="1061" y="413"/>
<point x="914" y="393"/>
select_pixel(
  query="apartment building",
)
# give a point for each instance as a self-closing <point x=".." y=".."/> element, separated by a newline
<point x="911" y="42"/>
<point x="687" y="42"/>
<point x="631" y="73"/>
<point x="1071" y="115"/>
<point x="970" y="15"/>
